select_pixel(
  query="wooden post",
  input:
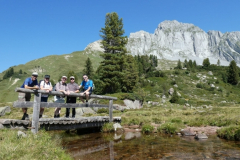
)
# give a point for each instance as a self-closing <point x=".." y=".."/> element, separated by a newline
<point x="110" y="110"/>
<point x="36" y="110"/>
<point x="111" y="150"/>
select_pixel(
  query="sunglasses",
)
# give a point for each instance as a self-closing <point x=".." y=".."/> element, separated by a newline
<point x="72" y="79"/>
<point x="84" y="77"/>
<point x="46" y="78"/>
<point x="35" y="76"/>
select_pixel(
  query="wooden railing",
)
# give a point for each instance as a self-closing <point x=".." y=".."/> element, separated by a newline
<point x="37" y="104"/>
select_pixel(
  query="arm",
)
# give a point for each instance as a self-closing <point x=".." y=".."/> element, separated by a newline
<point x="27" y="87"/>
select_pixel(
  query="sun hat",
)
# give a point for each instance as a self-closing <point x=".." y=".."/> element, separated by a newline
<point x="34" y="74"/>
<point x="64" y="77"/>
<point x="72" y="77"/>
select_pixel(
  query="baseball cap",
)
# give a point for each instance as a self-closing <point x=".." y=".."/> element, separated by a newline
<point x="34" y="74"/>
<point x="72" y="77"/>
<point x="64" y="77"/>
<point x="47" y="76"/>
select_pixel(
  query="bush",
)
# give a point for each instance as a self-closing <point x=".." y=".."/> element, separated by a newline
<point x="147" y="128"/>
<point x="169" y="128"/>
<point x="103" y="110"/>
<point x="199" y="85"/>
<point x="107" y="127"/>
<point x="229" y="133"/>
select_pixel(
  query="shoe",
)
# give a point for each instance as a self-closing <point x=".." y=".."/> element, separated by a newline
<point x="67" y="117"/>
<point x="23" y="117"/>
<point x="58" y="116"/>
<point x="73" y="116"/>
<point x="40" y="116"/>
<point x="26" y="117"/>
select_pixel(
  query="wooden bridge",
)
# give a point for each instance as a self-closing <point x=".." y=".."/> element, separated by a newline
<point x="60" y="123"/>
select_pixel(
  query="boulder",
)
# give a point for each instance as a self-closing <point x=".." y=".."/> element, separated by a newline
<point x="1" y="126"/>
<point x="79" y="112"/>
<point x="212" y="85"/>
<point x="175" y="85"/>
<point x="201" y="136"/>
<point x="116" y="126"/>
<point x="164" y="97"/>
<point x="170" y="91"/>
<point x="163" y="101"/>
<point x="187" y="133"/>
<point x="21" y="134"/>
<point x="88" y="110"/>
<point x="155" y="103"/>
<point x="210" y="73"/>
<point x="179" y="94"/>
<point x="132" y="105"/>
<point x="4" y="110"/>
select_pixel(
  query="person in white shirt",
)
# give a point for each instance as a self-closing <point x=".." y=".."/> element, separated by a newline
<point x="47" y="86"/>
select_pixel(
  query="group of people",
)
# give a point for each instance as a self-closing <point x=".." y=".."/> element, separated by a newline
<point x="62" y="86"/>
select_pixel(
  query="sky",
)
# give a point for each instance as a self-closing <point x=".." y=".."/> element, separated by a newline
<point x="32" y="29"/>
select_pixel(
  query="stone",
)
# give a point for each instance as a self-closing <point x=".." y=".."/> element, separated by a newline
<point x="116" y="126"/>
<point x="137" y="104"/>
<point x="164" y="97"/>
<point x="79" y="112"/>
<point x="170" y="91"/>
<point x="179" y="94"/>
<point x="175" y="85"/>
<point x="1" y="126"/>
<point x="4" y="110"/>
<point x="155" y="103"/>
<point x="201" y="136"/>
<point x="212" y="85"/>
<point x="163" y="101"/>
<point x="21" y="134"/>
<point x="87" y="110"/>
<point x="129" y="103"/>
<point x="129" y="135"/>
<point x="187" y="133"/>
<point x="158" y="96"/>
<point x="210" y="73"/>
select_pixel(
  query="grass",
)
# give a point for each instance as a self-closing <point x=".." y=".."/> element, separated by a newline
<point x="40" y="146"/>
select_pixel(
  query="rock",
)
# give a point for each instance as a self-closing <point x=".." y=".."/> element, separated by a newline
<point x="163" y="101"/>
<point x="187" y="133"/>
<point x="170" y="91"/>
<point x="88" y="110"/>
<point x="210" y="73"/>
<point x="129" y="103"/>
<point x="116" y="126"/>
<point x="129" y="135"/>
<point x="155" y="103"/>
<point x="158" y="96"/>
<point x="201" y="136"/>
<point x="187" y="105"/>
<point x="79" y="112"/>
<point x="212" y="85"/>
<point x="21" y="134"/>
<point x="4" y="110"/>
<point x="214" y="78"/>
<point x="118" y="107"/>
<point x="117" y="137"/>
<point x="223" y="101"/>
<point x="137" y="104"/>
<point x="179" y="94"/>
<point x="163" y="96"/>
<point x="175" y="85"/>
<point x="1" y="126"/>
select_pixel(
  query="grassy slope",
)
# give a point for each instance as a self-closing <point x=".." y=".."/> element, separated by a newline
<point x="54" y="65"/>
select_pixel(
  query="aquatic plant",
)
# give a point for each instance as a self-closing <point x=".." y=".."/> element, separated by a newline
<point x="107" y="127"/>
<point x="169" y="128"/>
<point x="229" y="133"/>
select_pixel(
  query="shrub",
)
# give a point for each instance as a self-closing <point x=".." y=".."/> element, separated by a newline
<point x="103" y="110"/>
<point x="134" y="121"/>
<point x="147" y="128"/>
<point x="169" y="128"/>
<point x="229" y="133"/>
<point x="107" y="127"/>
<point x="199" y="85"/>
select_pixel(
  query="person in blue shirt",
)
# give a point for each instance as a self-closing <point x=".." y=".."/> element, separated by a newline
<point x="29" y="83"/>
<point x="87" y="85"/>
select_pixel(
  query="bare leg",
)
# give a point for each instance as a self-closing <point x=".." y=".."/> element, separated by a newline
<point x="41" y="111"/>
<point x="81" y="98"/>
<point x="24" y="110"/>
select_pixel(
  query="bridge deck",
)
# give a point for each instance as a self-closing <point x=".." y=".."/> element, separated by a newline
<point x="60" y="123"/>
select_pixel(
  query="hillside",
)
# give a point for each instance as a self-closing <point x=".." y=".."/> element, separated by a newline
<point x="54" y="65"/>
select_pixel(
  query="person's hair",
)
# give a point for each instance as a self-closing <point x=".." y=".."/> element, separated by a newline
<point x="85" y="75"/>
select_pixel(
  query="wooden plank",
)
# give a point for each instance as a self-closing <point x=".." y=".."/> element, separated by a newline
<point x="61" y="94"/>
<point x="17" y="104"/>
<point x="110" y="110"/>
<point x="36" y="110"/>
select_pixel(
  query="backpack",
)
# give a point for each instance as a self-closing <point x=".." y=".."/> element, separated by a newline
<point x="54" y="87"/>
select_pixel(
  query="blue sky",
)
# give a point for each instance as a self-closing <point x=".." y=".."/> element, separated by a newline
<point x="31" y="29"/>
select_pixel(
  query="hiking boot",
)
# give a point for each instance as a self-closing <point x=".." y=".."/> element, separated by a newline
<point x="26" y="117"/>
<point x="23" y="117"/>
<point x="40" y="116"/>
<point x="73" y="116"/>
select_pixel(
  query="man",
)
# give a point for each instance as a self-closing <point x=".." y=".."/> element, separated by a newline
<point x="47" y="86"/>
<point x="61" y="87"/>
<point x="29" y="83"/>
<point x="73" y="88"/>
<point x="87" y="87"/>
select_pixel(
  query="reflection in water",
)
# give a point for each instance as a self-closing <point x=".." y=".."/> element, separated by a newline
<point x="133" y="145"/>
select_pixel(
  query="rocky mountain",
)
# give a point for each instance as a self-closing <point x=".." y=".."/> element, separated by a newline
<point x="174" y="40"/>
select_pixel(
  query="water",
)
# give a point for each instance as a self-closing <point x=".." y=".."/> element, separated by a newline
<point x="136" y="146"/>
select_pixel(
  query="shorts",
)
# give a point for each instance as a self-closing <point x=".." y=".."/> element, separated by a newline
<point x="22" y="97"/>
<point x="44" y="99"/>
<point x="90" y="92"/>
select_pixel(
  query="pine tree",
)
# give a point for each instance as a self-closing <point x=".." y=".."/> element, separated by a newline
<point x="88" y="68"/>
<point x="175" y="97"/>
<point x="20" y="71"/>
<point x="190" y="63"/>
<point x="185" y="63"/>
<point x="194" y="64"/>
<point x="218" y="63"/>
<point x="232" y="74"/>
<point x="110" y="71"/>
<point x="206" y="63"/>
<point x="179" y="65"/>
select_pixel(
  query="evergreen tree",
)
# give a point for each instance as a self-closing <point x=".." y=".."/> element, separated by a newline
<point x="110" y="71"/>
<point x="175" y="97"/>
<point x="206" y="63"/>
<point x="88" y="68"/>
<point x="71" y="73"/>
<point x="185" y="63"/>
<point x="190" y="63"/>
<point x="218" y="63"/>
<point x="194" y="64"/>
<point x="20" y="71"/>
<point x="179" y="65"/>
<point x="232" y="74"/>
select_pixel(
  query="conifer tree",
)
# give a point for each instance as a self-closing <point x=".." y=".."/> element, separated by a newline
<point x="190" y="63"/>
<point x="88" y="68"/>
<point x="206" y="63"/>
<point x="185" y="63"/>
<point x="218" y="63"/>
<point x="20" y="71"/>
<point x="194" y="64"/>
<point x="232" y="74"/>
<point x="179" y="65"/>
<point x="110" y="71"/>
<point x="175" y="97"/>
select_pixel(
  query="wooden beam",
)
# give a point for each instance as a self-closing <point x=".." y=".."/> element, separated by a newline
<point x="36" y="110"/>
<point x="17" y="104"/>
<point x="61" y="94"/>
<point x="110" y="110"/>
